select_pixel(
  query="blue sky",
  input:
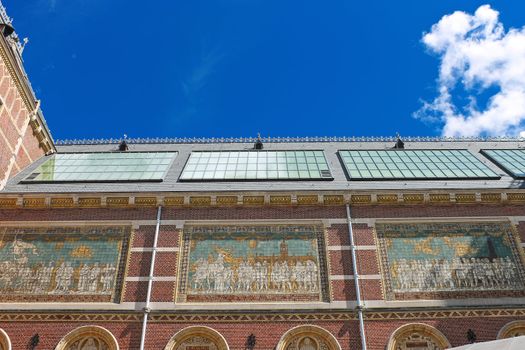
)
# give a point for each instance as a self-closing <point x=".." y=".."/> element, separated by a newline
<point x="237" y="67"/>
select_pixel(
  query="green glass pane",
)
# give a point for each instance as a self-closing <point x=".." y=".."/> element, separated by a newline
<point x="260" y="165"/>
<point x="91" y="167"/>
<point x="414" y="164"/>
<point x="512" y="161"/>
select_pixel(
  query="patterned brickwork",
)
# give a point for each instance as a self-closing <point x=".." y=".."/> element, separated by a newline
<point x="15" y="135"/>
<point x="268" y="327"/>
<point x="401" y="211"/>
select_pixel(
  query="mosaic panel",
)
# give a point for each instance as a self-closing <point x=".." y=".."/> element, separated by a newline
<point x="89" y="343"/>
<point x="63" y="264"/>
<point x="449" y="257"/>
<point x="308" y="343"/>
<point x="197" y="343"/>
<point x="253" y="263"/>
<point x="417" y="341"/>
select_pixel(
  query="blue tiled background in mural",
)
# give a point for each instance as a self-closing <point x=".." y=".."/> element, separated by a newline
<point x="450" y="256"/>
<point x="76" y="249"/>
<point x="246" y="244"/>
<point x="60" y="260"/>
<point x="253" y="260"/>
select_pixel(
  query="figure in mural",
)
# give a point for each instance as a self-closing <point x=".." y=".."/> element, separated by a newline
<point x="78" y="261"/>
<point x="83" y="278"/>
<point x="248" y="277"/>
<point x="88" y="343"/>
<point x="108" y="275"/>
<point x="455" y="275"/>
<point x="307" y="344"/>
<point x="252" y="260"/>
<point x="93" y="278"/>
<point x="451" y="257"/>
<point x="62" y="279"/>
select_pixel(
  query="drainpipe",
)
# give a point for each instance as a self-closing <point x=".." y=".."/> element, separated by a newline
<point x="356" y="279"/>
<point x="150" y="280"/>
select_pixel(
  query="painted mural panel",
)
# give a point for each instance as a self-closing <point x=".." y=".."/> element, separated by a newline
<point x="253" y="263"/>
<point x="452" y="257"/>
<point x="62" y="263"/>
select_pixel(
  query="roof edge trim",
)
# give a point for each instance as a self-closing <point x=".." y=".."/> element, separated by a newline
<point x="190" y="140"/>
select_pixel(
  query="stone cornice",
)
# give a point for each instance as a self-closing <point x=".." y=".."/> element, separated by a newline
<point x="231" y="199"/>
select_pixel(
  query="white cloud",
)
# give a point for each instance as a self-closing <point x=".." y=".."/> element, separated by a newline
<point x="476" y="53"/>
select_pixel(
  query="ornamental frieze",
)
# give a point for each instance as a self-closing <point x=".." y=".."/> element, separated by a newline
<point x="63" y="263"/>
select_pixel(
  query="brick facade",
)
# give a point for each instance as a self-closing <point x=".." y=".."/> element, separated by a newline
<point x="23" y="135"/>
<point x="237" y="321"/>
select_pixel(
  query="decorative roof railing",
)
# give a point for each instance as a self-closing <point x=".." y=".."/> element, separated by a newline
<point x="189" y="140"/>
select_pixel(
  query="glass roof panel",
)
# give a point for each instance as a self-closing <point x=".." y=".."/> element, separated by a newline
<point x="510" y="160"/>
<point x="103" y="167"/>
<point x="257" y="165"/>
<point x="414" y="165"/>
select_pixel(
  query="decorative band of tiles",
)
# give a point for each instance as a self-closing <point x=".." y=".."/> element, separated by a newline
<point x="194" y="317"/>
<point x="94" y="201"/>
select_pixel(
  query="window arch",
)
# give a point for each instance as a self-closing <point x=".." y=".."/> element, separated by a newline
<point x="5" y="342"/>
<point x="512" y="329"/>
<point x="197" y="336"/>
<point x="418" y="335"/>
<point x="308" y="337"/>
<point x="88" y="338"/>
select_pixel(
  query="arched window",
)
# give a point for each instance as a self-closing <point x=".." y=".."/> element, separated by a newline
<point x="5" y="342"/>
<point x="197" y="338"/>
<point x="417" y="336"/>
<point x="88" y="338"/>
<point x="308" y="337"/>
<point x="512" y="329"/>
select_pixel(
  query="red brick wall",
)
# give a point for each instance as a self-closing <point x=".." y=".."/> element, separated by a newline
<point x="267" y="333"/>
<point x="14" y="116"/>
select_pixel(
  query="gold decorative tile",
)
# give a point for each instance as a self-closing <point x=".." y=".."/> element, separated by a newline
<point x="146" y="201"/>
<point x="89" y="202"/>
<point x="227" y="200"/>
<point x="200" y="201"/>
<point x="173" y="201"/>
<point x="413" y="198"/>
<point x="117" y="201"/>
<point x="439" y="197"/>
<point x="280" y="200"/>
<point x="34" y="202"/>
<point x="465" y="197"/>
<point x="307" y="199"/>
<point x="58" y="202"/>
<point x="333" y="199"/>
<point x="361" y="199"/>
<point x="8" y="202"/>
<point x="516" y="197"/>
<point x="491" y="197"/>
<point x="386" y="198"/>
<point x="253" y="200"/>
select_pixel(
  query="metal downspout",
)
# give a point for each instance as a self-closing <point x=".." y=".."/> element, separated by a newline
<point x="356" y="279"/>
<point x="150" y="280"/>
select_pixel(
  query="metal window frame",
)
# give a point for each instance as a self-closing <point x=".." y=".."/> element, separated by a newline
<point x="349" y="178"/>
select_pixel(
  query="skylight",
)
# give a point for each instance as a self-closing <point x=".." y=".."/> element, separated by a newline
<point x="414" y="165"/>
<point x="510" y="160"/>
<point x="256" y="165"/>
<point x="103" y="167"/>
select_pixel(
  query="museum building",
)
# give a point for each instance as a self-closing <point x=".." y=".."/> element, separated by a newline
<point x="253" y="243"/>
